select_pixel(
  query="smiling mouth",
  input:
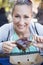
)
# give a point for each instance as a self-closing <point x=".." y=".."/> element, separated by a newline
<point x="20" y="27"/>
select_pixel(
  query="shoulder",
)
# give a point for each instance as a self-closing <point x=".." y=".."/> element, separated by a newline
<point x="34" y="22"/>
<point x="4" y="31"/>
<point x="38" y="27"/>
<point x="6" y="26"/>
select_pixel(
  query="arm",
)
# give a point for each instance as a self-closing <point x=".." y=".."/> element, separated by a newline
<point x="39" y="44"/>
<point x="3" y="35"/>
<point x="39" y="40"/>
<point x="5" y="45"/>
<point x="39" y="36"/>
<point x="8" y="46"/>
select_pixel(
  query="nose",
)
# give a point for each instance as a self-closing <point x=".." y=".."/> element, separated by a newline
<point x="21" y="21"/>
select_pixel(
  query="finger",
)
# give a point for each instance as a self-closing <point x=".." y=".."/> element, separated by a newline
<point x="41" y="40"/>
<point x="38" y="45"/>
<point x="9" y="44"/>
<point x="12" y="43"/>
<point x="7" y="47"/>
<point x="6" y="50"/>
<point x="37" y="39"/>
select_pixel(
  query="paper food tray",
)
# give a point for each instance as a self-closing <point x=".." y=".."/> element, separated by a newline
<point x="23" y="58"/>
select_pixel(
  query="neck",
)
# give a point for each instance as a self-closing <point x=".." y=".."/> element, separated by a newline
<point x="23" y="34"/>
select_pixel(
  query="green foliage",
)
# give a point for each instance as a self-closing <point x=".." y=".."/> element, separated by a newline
<point x="5" y="3"/>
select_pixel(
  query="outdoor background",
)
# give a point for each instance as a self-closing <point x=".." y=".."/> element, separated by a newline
<point x="6" y="10"/>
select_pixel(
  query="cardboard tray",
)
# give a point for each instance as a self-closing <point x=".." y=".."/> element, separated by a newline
<point x="26" y="58"/>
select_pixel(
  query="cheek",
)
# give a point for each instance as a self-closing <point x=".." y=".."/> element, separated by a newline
<point x="14" y="21"/>
<point x="14" y="24"/>
<point x="28" y="22"/>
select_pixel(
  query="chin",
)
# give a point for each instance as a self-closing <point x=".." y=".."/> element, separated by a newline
<point x="21" y="31"/>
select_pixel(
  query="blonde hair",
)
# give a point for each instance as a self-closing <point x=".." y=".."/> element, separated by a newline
<point x="21" y="2"/>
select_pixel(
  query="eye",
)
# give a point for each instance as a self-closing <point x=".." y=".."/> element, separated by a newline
<point x="17" y="16"/>
<point x="26" y="16"/>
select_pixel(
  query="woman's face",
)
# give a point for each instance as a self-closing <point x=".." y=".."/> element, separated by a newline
<point x="22" y="17"/>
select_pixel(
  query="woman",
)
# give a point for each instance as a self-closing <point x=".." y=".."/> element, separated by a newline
<point x="20" y="27"/>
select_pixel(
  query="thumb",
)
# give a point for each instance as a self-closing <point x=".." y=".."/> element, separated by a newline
<point x="14" y="43"/>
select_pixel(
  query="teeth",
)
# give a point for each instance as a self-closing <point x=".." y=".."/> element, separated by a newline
<point x="21" y="27"/>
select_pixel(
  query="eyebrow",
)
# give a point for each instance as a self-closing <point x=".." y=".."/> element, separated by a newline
<point x="26" y="16"/>
<point x="18" y="14"/>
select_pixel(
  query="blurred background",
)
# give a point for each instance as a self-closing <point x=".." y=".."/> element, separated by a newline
<point x="6" y="10"/>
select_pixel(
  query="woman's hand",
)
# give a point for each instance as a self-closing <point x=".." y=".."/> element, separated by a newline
<point x="39" y="45"/>
<point x="39" y="41"/>
<point x="8" y="46"/>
